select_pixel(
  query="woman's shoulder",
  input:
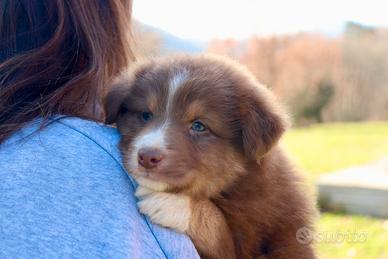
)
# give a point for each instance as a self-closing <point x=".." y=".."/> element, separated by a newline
<point x="98" y="132"/>
<point x="73" y="146"/>
<point x="89" y="133"/>
<point x="69" y="144"/>
<point x="65" y="134"/>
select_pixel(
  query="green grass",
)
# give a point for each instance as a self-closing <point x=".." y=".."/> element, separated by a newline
<point x="324" y="148"/>
<point x="371" y="236"/>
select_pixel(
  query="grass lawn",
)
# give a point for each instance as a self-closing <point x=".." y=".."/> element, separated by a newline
<point x="325" y="148"/>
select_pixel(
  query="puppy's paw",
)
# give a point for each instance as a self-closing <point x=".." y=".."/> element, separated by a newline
<point x="165" y="209"/>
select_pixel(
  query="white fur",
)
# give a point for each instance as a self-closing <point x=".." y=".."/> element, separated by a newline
<point x="165" y="209"/>
<point x="154" y="138"/>
<point x="150" y="184"/>
<point x="175" y="83"/>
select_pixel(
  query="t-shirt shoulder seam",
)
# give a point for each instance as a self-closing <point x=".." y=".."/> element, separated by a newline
<point x="98" y="144"/>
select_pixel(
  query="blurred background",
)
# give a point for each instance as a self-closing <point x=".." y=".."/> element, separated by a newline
<point x="327" y="62"/>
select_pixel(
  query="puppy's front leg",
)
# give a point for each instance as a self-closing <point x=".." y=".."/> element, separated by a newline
<point x="201" y="220"/>
<point x="210" y="232"/>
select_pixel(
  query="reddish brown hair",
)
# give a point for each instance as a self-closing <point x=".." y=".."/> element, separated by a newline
<point x="57" y="56"/>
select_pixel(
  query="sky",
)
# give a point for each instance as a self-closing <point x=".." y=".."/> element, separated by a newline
<point x="203" y="20"/>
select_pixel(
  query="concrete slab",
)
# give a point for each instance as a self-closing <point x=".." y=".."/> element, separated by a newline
<point x="360" y="190"/>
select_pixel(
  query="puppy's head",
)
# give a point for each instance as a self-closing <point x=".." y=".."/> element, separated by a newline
<point x="192" y="123"/>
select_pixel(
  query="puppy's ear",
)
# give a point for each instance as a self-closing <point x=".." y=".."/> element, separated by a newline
<point x="114" y="100"/>
<point x="263" y="122"/>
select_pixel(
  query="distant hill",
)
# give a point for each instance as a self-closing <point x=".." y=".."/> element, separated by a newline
<point x="173" y="44"/>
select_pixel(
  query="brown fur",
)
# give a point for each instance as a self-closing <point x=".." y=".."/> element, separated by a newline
<point x="246" y="197"/>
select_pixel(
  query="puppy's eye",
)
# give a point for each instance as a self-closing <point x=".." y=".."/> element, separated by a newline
<point x="146" y="116"/>
<point x="198" y="126"/>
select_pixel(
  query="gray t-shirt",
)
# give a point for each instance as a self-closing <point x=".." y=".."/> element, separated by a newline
<point x="65" y="194"/>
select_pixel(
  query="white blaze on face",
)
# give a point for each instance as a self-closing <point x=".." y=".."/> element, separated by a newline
<point x="156" y="137"/>
<point x="175" y="83"/>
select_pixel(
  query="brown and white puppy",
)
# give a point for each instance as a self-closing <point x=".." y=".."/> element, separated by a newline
<point x="199" y="134"/>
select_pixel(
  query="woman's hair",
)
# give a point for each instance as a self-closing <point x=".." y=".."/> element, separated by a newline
<point x="57" y="56"/>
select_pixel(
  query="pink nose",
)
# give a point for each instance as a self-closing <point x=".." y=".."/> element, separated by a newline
<point x="149" y="157"/>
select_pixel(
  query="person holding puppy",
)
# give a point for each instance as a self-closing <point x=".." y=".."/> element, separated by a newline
<point x="63" y="189"/>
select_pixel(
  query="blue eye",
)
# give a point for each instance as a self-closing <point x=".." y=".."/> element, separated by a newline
<point x="146" y="116"/>
<point x="198" y="126"/>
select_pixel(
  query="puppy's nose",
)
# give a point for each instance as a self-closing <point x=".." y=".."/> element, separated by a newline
<point x="149" y="157"/>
